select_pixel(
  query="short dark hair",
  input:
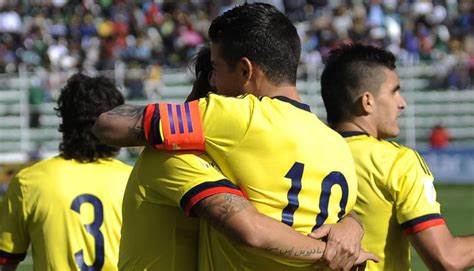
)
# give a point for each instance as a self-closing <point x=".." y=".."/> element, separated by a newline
<point x="351" y="69"/>
<point x="264" y="35"/>
<point x="202" y="70"/>
<point x="81" y="101"/>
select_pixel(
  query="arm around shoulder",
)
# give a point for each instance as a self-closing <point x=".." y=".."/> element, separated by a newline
<point x="121" y="126"/>
<point x="442" y="251"/>
<point x="238" y="219"/>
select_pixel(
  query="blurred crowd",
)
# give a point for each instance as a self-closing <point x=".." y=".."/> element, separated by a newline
<point x="95" y="35"/>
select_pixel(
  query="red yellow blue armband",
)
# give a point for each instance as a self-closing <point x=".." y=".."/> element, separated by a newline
<point x="174" y="126"/>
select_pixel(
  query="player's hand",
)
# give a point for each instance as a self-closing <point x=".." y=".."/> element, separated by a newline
<point x="360" y="263"/>
<point x="362" y="260"/>
<point x="343" y="239"/>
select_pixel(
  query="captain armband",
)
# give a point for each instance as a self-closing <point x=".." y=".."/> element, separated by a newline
<point x="174" y="126"/>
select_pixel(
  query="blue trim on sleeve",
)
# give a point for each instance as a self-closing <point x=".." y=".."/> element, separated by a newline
<point x="204" y="186"/>
<point x="418" y="220"/>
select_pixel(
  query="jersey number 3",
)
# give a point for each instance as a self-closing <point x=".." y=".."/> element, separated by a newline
<point x="295" y="174"/>
<point x="92" y="228"/>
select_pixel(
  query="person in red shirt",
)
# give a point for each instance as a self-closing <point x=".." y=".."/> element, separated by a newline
<point x="439" y="137"/>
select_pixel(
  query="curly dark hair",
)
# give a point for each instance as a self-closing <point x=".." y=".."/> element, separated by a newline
<point x="81" y="101"/>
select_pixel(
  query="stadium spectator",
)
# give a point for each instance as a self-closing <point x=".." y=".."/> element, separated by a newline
<point x="134" y="82"/>
<point x="250" y="61"/>
<point x="36" y="99"/>
<point x="439" y="137"/>
<point x="69" y="207"/>
<point x="37" y="153"/>
<point x="396" y="198"/>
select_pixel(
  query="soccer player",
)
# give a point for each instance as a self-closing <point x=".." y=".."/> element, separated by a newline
<point x="292" y="177"/>
<point x="396" y="199"/>
<point x="69" y="207"/>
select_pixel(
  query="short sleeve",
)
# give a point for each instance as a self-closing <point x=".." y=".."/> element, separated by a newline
<point x="226" y="120"/>
<point x="194" y="125"/>
<point x="414" y="193"/>
<point x="14" y="237"/>
<point x="186" y="177"/>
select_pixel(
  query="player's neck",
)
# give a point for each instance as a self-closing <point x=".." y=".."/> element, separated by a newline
<point x="260" y="85"/>
<point x="356" y="125"/>
<point x="286" y="91"/>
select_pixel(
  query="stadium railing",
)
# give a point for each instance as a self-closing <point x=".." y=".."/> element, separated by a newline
<point x="452" y="109"/>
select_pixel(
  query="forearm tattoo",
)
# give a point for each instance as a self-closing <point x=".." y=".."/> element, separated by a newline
<point x="218" y="210"/>
<point x="133" y="112"/>
<point x="295" y="253"/>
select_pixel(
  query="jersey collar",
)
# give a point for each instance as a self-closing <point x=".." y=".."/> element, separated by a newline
<point x="293" y="102"/>
<point x="351" y="133"/>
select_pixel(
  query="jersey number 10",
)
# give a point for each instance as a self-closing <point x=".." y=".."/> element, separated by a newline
<point x="295" y="174"/>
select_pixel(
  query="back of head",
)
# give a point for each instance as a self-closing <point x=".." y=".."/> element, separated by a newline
<point x="264" y="35"/>
<point x="350" y="70"/>
<point x="81" y="101"/>
<point x="202" y="70"/>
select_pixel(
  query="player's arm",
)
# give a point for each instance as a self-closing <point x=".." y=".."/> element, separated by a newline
<point x="238" y="219"/>
<point x="171" y="126"/>
<point x="14" y="236"/>
<point x="419" y="214"/>
<point x="8" y="267"/>
<point x="121" y="126"/>
<point x="442" y="251"/>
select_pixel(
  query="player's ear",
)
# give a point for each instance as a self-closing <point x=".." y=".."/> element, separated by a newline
<point x="367" y="101"/>
<point x="246" y="69"/>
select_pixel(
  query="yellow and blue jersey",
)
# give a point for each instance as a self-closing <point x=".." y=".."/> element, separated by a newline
<point x="156" y="233"/>
<point x="288" y="163"/>
<point x="396" y="197"/>
<point x="70" y="212"/>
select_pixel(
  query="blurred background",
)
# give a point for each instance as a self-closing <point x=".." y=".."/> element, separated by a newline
<point x="145" y="46"/>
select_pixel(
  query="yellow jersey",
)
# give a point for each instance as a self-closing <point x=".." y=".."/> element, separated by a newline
<point x="69" y="211"/>
<point x="288" y="163"/>
<point x="396" y="197"/>
<point x="156" y="233"/>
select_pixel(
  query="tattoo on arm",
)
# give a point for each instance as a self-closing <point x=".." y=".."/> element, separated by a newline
<point x="135" y="113"/>
<point x="295" y="253"/>
<point x="127" y="110"/>
<point x="219" y="209"/>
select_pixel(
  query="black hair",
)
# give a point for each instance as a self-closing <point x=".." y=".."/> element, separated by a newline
<point x="351" y="69"/>
<point x="264" y="35"/>
<point x="81" y="101"/>
<point x="202" y="72"/>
